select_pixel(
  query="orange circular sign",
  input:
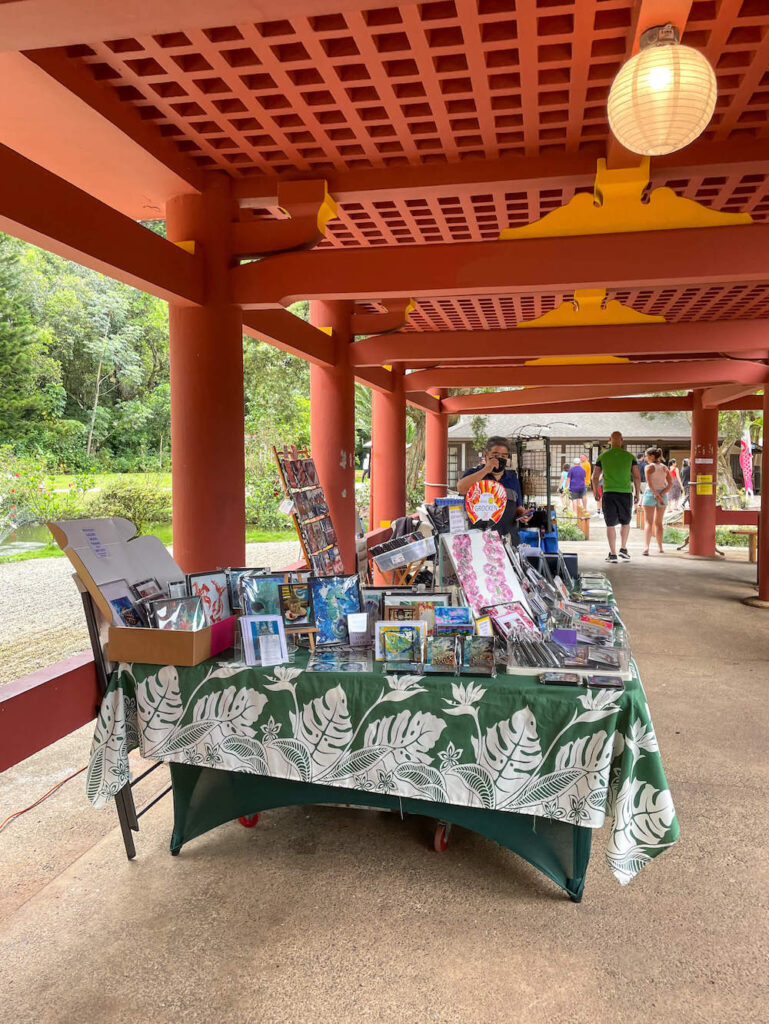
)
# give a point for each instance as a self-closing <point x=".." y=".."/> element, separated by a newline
<point x="486" y="501"/>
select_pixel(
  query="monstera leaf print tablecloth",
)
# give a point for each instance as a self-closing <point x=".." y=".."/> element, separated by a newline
<point x="506" y="744"/>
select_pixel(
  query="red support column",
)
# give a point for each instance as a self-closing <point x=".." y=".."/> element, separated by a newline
<point x="206" y="355"/>
<point x="704" y="462"/>
<point x="436" y="454"/>
<point x="763" y="519"/>
<point x="388" y="453"/>
<point x="332" y="424"/>
<point x="762" y="598"/>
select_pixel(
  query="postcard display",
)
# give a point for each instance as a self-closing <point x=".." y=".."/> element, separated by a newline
<point x="310" y="513"/>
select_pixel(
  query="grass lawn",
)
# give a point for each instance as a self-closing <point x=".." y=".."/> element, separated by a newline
<point x="61" y="481"/>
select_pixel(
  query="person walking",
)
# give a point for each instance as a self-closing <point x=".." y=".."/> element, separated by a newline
<point x="575" y="479"/>
<point x="658" y="484"/>
<point x="563" y="489"/>
<point x="585" y="463"/>
<point x="686" y="474"/>
<point x="676" y="487"/>
<point x="616" y="470"/>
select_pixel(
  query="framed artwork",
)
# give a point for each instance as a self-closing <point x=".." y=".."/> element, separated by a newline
<point x="400" y="641"/>
<point x="400" y="612"/>
<point x="289" y="471"/>
<point x="145" y="590"/>
<point x="424" y="606"/>
<point x="233" y="575"/>
<point x="296" y="605"/>
<point x="372" y="602"/>
<point x="442" y="654"/>
<point x="178" y="613"/>
<point x="261" y="594"/>
<point x="212" y="589"/>
<point x="484" y="569"/>
<point x="177" y="588"/>
<point x="264" y="639"/>
<point x="333" y="599"/>
<point x="509" y="617"/>
<point x="478" y="653"/>
<point x="125" y="612"/>
<point x="317" y="502"/>
<point x="310" y="473"/>
<point x="451" y="620"/>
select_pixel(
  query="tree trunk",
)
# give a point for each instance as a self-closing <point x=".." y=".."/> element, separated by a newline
<point x="93" y="411"/>
<point x="415" y="456"/>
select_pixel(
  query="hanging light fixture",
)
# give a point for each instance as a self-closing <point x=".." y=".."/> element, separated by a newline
<point x="663" y="97"/>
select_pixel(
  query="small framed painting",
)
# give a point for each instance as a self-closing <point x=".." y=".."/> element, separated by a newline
<point x="184" y="613"/>
<point x="211" y="588"/>
<point x="125" y="610"/>
<point x="233" y="575"/>
<point x="333" y="599"/>
<point x="261" y="594"/>
<point x="296" y="605"/>
<point x="145" y="590"/>
<point x="177" y="588"/>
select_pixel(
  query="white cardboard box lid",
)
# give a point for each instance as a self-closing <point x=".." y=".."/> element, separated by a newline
<point x="108" y="549"/>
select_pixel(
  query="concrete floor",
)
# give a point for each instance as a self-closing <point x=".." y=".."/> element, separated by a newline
<point x="332" y="915"/>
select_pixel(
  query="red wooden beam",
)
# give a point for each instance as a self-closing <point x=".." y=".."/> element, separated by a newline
<point x="575" y="170"/>
<point x="716" y="397"/>
<point x="78" y="79"/>
<point x="288" y="332"/>
<point x="47" y="211"/>
<point x="425" y="347"/>
<point x="41" y="708"/>
<point x="492" y="401"/>
<point x="577" y="405"/>
<point x="652" y="375"/>
<point x="635" y="260"/>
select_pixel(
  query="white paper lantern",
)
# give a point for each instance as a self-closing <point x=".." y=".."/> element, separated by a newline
<point x="662" y="98"/>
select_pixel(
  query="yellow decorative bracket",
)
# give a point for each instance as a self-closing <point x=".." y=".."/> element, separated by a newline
<point x="617" y="205"/>
<point x="590" y="308"/>
<point x="187" y="246"/>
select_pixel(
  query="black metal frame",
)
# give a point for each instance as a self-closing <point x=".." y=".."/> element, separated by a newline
<point x="127" y="814"/>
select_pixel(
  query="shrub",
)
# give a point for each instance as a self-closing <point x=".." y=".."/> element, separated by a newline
<point x="263" y="495"/>
<point x="569" y="531"/>
<point x="27" y="497"/>
<point x="142" y="502"/>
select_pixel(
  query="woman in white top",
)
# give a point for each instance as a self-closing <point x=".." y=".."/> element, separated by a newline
<point x="658" y="483"/>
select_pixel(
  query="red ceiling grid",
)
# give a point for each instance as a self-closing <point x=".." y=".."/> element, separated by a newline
<point x="445" y="81"/>
<point x="677" y="305"/>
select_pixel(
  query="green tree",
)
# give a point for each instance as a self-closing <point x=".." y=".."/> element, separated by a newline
<point x="31" y="389"/>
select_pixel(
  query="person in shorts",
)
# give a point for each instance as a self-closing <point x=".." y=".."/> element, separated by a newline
<point x="617" y="473"/>
<point x="575" y="481"/>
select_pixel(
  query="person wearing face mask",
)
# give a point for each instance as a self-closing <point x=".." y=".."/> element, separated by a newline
<point x="496" y="460"/>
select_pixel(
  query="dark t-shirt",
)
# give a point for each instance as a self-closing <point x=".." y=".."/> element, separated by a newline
<point x="512" y="486"/>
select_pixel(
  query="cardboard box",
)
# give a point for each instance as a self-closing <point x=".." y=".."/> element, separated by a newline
<point x="103" y="550"/>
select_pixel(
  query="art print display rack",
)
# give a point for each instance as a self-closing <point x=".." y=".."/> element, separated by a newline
<point x="312" y="520"/>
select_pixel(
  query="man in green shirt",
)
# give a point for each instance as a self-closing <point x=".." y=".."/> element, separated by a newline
<point x="621" y="491"/>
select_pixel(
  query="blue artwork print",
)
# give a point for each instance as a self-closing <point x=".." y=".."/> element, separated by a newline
<point x="334" y="598"/>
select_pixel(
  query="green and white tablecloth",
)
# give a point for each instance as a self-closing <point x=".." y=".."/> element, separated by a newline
<point x="505" y="744"/>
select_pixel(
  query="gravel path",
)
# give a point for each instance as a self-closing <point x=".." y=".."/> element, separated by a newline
<point x="41" y="614"/>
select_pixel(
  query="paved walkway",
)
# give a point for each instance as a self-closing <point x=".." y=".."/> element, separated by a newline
<point x="331" y="915"/>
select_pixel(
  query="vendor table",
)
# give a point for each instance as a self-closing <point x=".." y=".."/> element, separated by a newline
<point x="534" y="767"/>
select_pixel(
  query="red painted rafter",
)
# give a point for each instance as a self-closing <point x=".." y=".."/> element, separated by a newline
<point x="648" y="259"/>
<point x="47" y="211"/>
<point x="657" y="376"/>
<point x="413" y="349"/>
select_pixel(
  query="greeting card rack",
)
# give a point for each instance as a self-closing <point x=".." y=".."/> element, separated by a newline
<point x="312" y="520"/>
